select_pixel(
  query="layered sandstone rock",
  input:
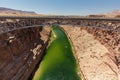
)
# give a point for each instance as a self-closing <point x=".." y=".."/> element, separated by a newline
<point x="20" y="51"/>
<point x="97" y="51"/>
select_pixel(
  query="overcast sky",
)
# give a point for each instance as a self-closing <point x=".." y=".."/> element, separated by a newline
<point x="63" y="7"/>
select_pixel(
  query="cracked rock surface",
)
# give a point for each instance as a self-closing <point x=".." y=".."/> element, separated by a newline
<point x="20" y="51"/>
<point x="97" y="52"/>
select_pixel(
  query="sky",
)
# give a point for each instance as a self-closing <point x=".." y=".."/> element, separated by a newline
<point x="63" y="7"/>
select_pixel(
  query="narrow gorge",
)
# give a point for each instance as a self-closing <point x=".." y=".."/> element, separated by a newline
<point x="97" y="49"/>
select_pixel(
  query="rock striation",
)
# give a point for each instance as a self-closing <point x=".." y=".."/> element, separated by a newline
<point x="97" y="51"/>
<point x="20" y="51"/>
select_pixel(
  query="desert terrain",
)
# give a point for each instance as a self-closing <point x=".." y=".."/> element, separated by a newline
<point x="96" y="45"/>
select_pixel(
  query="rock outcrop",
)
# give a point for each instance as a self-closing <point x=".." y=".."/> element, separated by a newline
<point x="97" y="51"/>
<point x="20" y="51"/>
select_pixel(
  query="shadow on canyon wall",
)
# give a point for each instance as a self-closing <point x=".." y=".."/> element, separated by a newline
<point x="20" y="51"/>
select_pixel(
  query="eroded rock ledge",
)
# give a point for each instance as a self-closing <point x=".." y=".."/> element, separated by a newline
<point x="97" y="51"/>
<point x="20" y="51"/>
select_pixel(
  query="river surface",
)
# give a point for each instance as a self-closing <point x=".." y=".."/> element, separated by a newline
<point x="59" y="62"/>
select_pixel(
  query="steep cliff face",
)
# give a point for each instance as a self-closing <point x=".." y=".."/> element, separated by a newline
<point x="97" y="51"/>
<point x="20" y="51"/>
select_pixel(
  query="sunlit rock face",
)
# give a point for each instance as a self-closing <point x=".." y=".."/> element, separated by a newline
<point x="20" y="51"/>
<point x="97" y="52"/>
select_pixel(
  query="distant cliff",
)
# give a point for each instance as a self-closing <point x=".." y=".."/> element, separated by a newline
<point x="13" y="11"/>
<point x="113" y="13"/>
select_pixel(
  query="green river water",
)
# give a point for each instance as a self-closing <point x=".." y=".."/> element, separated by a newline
<point x="59" y="62"/>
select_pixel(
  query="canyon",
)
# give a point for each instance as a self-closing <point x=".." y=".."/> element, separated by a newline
<point x="96" y="44"/>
